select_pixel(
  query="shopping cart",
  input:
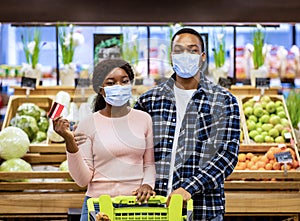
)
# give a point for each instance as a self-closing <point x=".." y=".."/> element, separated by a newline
<point x="123" y="208"/>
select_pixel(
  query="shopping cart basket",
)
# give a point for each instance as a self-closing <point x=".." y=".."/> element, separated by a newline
<point x="123" y="208"/>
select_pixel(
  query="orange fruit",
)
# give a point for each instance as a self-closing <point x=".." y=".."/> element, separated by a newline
<point x="270" y="155"/>
<point x="254" y="159"/>
<point x="260" y="164"/>
<point x="249" y="155"/>
<point x="276" y="166"/>
<point x="243" y="165"/>
<point x="264" y="158"/>
<point x="242" y="157"/>
<point x="269" y="166"/>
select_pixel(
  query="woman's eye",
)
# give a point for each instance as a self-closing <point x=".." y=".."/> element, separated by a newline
<point x="126" y="82"/>
<point x="110" y="83"/>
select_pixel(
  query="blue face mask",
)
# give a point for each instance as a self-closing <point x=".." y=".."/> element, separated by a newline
<point x="186" y="65"/>
<point x="117" y="95"/>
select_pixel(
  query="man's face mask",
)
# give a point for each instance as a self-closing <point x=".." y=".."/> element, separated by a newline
<point x="186" y="65"/>
<point x="117" y="95"/>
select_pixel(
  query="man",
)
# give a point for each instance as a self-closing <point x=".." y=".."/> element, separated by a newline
<point x="196" y="126"/>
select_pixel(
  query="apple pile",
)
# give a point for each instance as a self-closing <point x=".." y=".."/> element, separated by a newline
<point x="250" y="161"/>
<point x="266" y="120"/>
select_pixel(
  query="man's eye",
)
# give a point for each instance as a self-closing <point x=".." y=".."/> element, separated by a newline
<point x="194" y="51"/>
<point x="110" y="83"/>
<point x="126" y="82"/>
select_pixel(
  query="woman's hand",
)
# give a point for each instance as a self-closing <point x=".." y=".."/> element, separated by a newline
<point x="143" y="193"/>
<point x="102" y="217"/>
<point x="62" y="127"/>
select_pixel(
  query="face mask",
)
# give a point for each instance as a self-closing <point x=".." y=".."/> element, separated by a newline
<point x="117" y="95"/>
<point x="186" y="65"/>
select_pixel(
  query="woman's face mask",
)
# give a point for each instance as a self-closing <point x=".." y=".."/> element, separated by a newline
<point x="117" y="95"/>
<point x="186" y="65"/>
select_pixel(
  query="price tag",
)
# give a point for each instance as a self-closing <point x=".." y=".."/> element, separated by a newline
<point x="225" y="82"/>
<point x="262" y="82"/>
<point x="284" y="157"/>
<point x="27" y="82"/>
<point x="83" y="82"/>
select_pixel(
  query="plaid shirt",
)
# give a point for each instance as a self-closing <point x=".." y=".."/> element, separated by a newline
<point x="208" y="142"/>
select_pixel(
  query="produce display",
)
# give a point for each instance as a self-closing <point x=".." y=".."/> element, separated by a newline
<point x="267" y="161"/>
<point x="33" y="120"/>
<point x="266" y="120"/>
<point x="15" y="165"/>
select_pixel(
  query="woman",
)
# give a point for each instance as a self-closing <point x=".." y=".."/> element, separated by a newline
<point x="117" y="156"/>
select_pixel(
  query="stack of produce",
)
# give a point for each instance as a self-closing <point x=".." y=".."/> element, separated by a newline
<point x="266" y="120"/>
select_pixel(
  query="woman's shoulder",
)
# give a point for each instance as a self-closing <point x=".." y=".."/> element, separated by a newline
<point x="141" y="114"/>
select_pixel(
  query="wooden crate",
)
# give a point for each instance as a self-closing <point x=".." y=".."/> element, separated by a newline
<point x="44" y="102"/>
<point x="263" y="179"/>
<point x="243" y="98"/>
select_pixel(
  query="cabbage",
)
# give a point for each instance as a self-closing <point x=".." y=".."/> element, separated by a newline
<point x="15" y="165"/>
<point x="29" y="109"/>
<point x="43" y="124"/>
<point x="27" y="124"/>
<point x="64" y="167"/>
<point x="40" y="137"/>
<point x="14" y="143"/>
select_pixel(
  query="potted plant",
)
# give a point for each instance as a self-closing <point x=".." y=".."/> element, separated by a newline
<point x="219" y="52"/>
<point x="258" y="56"/>
<point x="69" y="40"/>
<point x="32" y="46"/>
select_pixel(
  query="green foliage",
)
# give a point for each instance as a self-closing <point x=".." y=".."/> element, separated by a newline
<point x="293" y="104"/>
<point x="32" y="54"/>
<point x="219" y="49"/>
<point x="66" y="42"/>
<point x="258" y="43"/>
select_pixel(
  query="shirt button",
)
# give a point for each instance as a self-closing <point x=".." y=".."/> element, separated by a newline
<point x="174" y="120"/>
<point x="170" y="141"/>
<point x="165" y="184"/>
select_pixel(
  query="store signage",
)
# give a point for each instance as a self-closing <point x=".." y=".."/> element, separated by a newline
<point x="262" y="82"/>
<point x="82" y="82"/>
<point x="284" y="157"/>
<point x="225" y="82"/>
<point x="27" y="82"/>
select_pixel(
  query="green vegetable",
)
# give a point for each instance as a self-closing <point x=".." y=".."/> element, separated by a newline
<point x="43" y="124"/>
<point x="15" y="165"/>
<point x="40" y="137"/>
<point x="64" y="167"/>
<point x="28" y="124"/>
<point x="293" y="104"/>
<point x="14" y="143"/>
<point x="29" y="109"/>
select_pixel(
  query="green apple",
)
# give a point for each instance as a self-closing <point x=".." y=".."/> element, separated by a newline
<point x="279" y="139"/>
<point x="269" y="139"/>
<point x="264" y="118"/>
<point x="279" y="127"/>
<point x="259" y="130"/>
<point x="258" y="111"/>
<point x="257" y="105"/>
<point x="259" y="139"/>
<point x="281" y="114"/>
<point x="285" y="130"/>
<point x="279" y="109"/>
<point x="247" y="104"/>
<point x="251" y="125"/>
<point x="264" y="134"/>
<point x="267" y="127"/>
<point x="253" y="118"/>
<point x="274" y="132"/>
<point x="258" y="125"/>
<point x="248" y="111"/>
<point x="253" y="133"/>
<point x="271" y="107"/>
<point x="285" y="122"/>
<point x="265" y="98"/>
<point x="275" y="120"/>
<point x="278" y="103"/>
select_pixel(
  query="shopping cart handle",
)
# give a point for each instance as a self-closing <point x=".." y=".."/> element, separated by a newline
<point x="131" y="200"/>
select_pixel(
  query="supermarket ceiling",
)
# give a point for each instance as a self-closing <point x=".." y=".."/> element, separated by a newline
<point x="150" y="12"/>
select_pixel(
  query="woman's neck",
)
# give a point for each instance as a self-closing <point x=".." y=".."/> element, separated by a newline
<point x="112" y="111"/>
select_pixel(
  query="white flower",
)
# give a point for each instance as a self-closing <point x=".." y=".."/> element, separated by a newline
<point x="78" y="39"/>
<point x="220" y="37"/>
<point x="31" y="46"/>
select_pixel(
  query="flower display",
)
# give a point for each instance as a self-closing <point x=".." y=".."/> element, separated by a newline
<point x="258" y="43"/>
<point x="219" y="49"/>
<point x="68" y="43"/>
<point x="32" y="48"/>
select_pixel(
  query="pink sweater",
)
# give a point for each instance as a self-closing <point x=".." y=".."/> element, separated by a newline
<point x="117" y="156"/>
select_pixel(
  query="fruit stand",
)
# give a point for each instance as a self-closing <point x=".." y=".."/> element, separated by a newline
<point x="249" y="191"/>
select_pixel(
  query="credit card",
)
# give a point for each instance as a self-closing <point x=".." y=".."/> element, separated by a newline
<point x="55" y="110"/>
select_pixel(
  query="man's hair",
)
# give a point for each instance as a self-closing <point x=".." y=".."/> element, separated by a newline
<point x="189" y="31"/>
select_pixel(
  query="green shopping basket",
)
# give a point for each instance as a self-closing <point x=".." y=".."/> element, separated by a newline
<point x="123" y="208"/>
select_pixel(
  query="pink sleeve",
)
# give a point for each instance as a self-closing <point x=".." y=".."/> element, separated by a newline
<point x="81" y="163"/>
<point x="149" y="165"/>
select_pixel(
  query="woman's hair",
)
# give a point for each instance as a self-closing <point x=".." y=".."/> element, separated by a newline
<point x="101" y="70"/>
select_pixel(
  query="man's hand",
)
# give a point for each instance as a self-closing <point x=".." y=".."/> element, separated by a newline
<point x="186" y="196"/>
